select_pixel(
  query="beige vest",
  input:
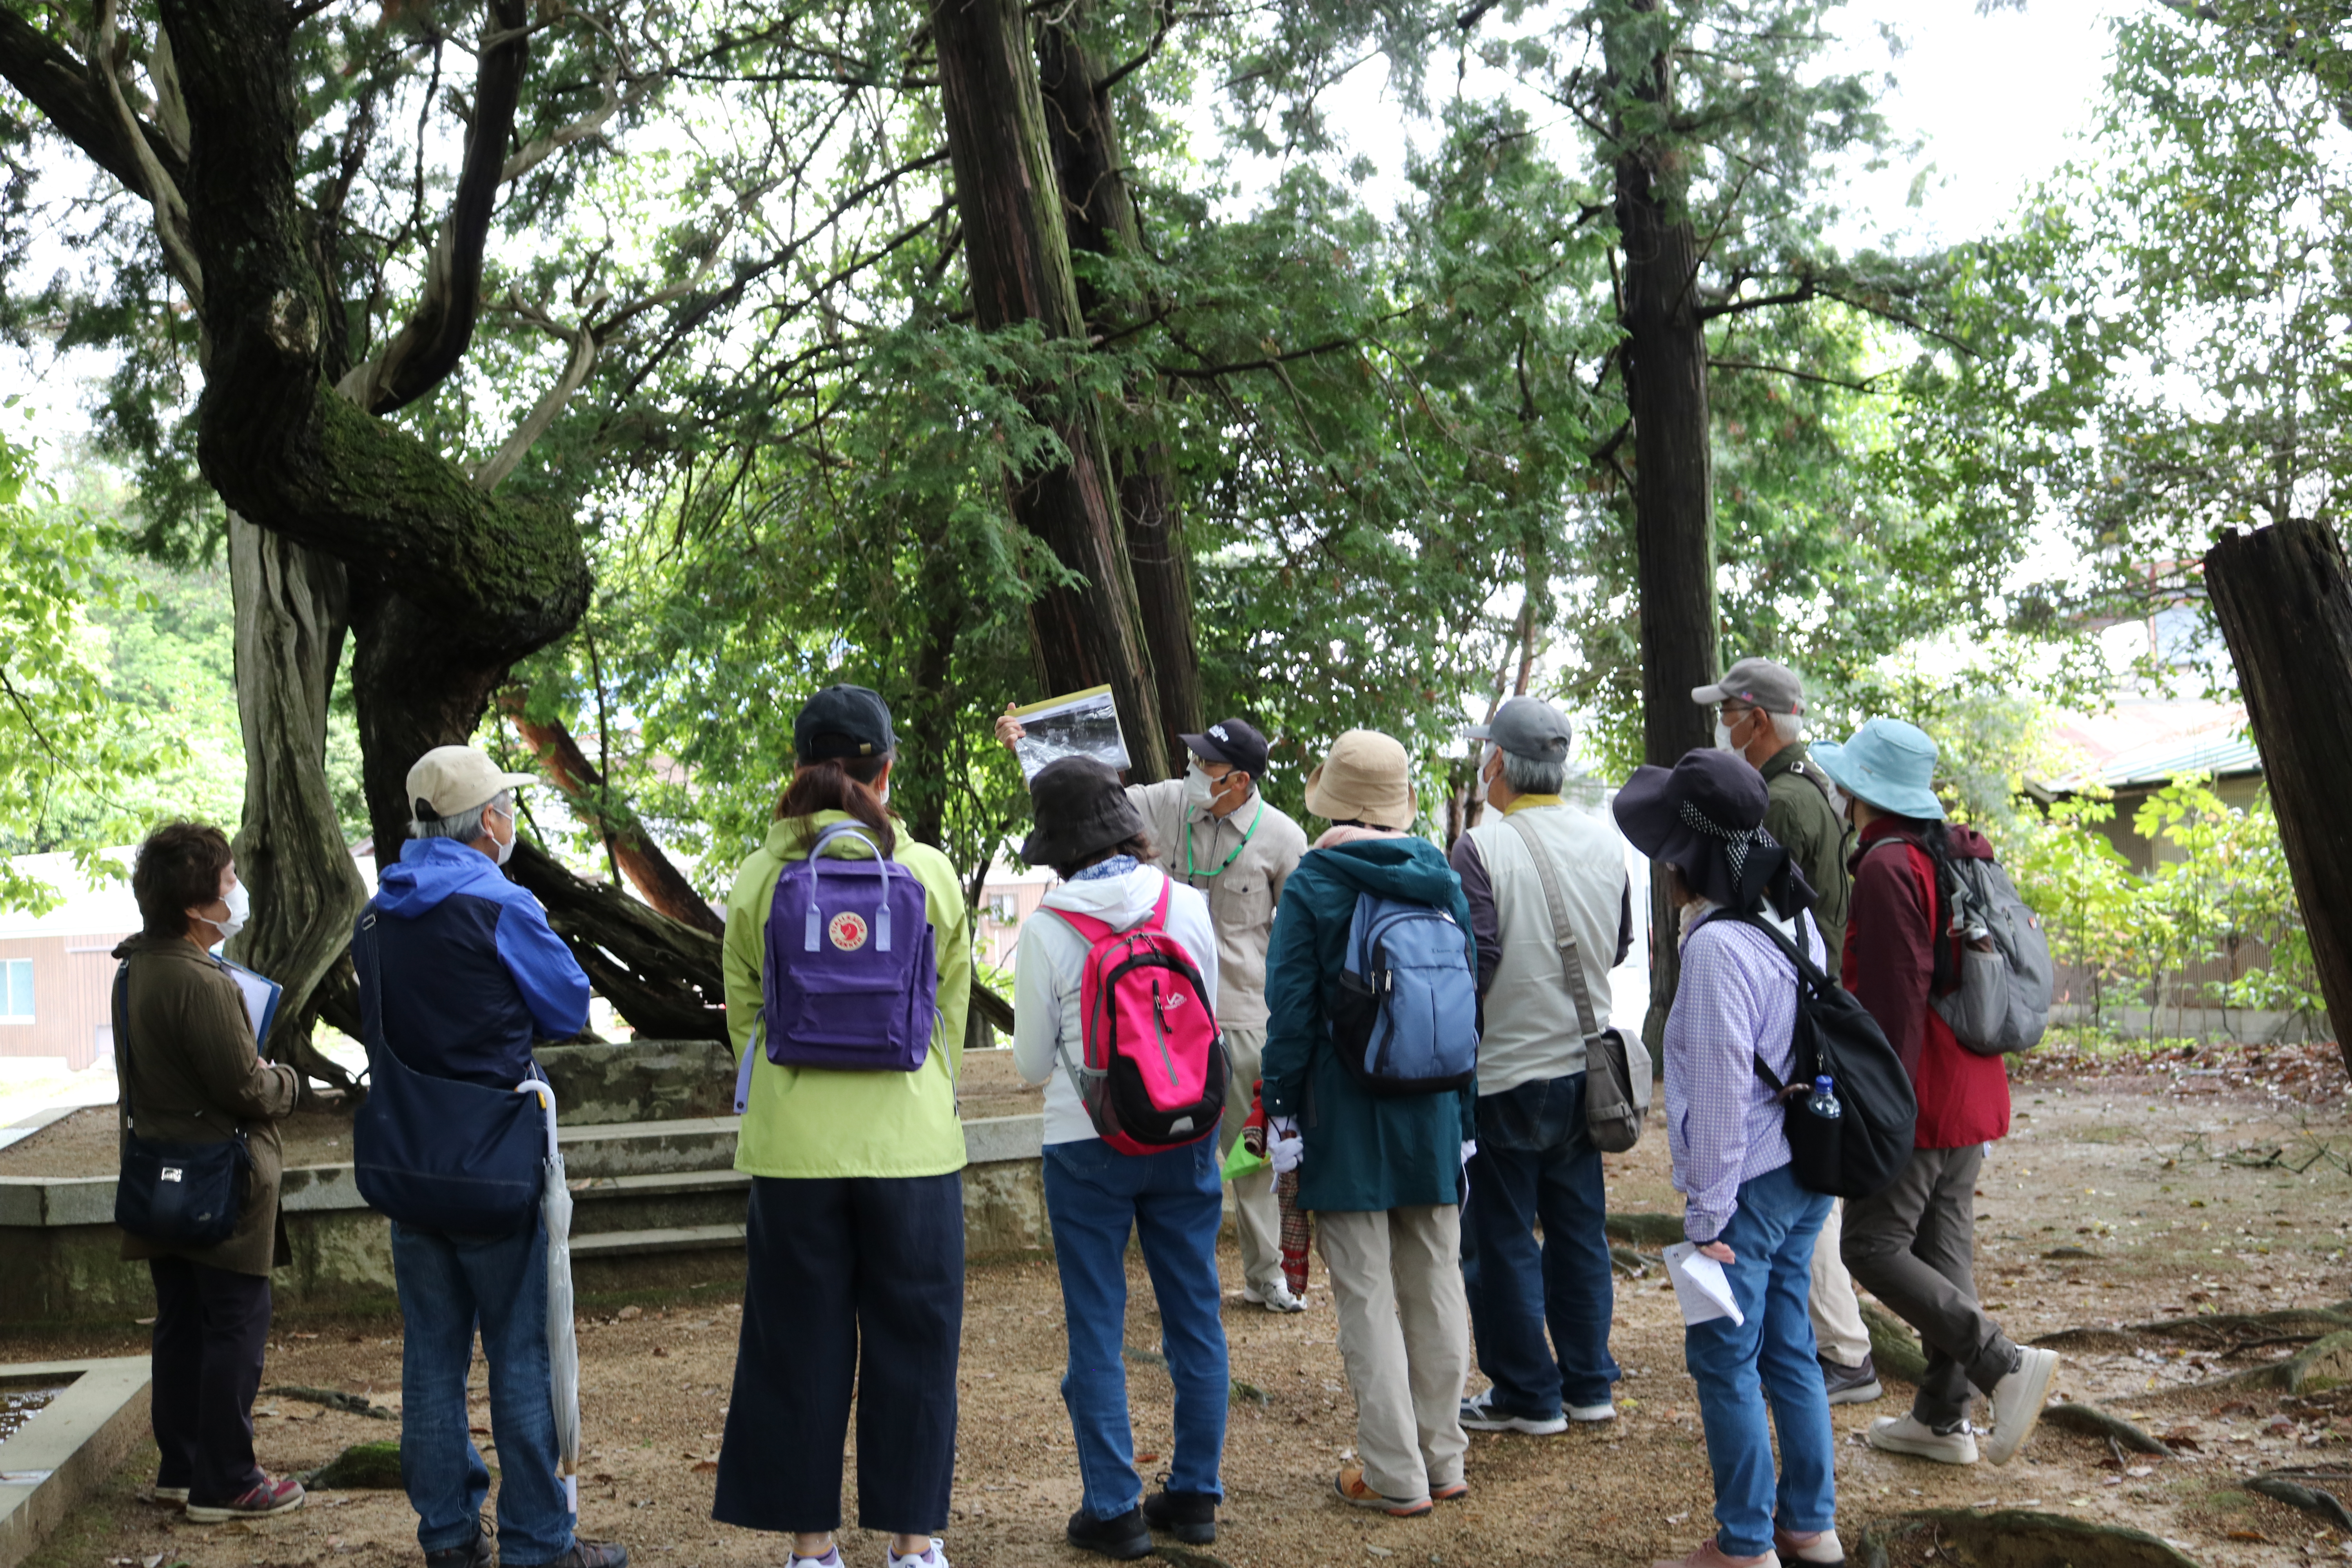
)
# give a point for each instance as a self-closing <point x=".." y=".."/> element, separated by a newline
<point x="1531" y="1028"/>
<point x="1241" y="896"/>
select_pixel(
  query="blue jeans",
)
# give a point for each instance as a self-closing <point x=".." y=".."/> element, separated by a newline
<point x="1174" y="1201"/>
<point x="1767" y="1358"/>
<point x="1536" y="1165"/>
<point x="448" y="1284"/>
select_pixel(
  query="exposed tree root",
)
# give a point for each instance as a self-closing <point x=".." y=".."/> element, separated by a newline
<point x="2011" y="1538"/>
<point x="1892" y="1346"/>
<point x="2092" y="1421"/>
<point x="2295" y="1488"/>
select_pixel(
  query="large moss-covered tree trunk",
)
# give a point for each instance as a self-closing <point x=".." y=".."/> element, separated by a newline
<point x="291" y="612"/>
<point x="1099" y="211"/>
<point x="2283" y="596"/>
<point x="1664" y="359"/>
<point x="1018" y="252"/>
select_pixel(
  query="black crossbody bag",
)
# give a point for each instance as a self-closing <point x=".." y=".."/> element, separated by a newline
<point x="172" y="1194"/>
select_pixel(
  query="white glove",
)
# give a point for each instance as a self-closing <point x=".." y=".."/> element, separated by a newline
<point x="1469" y="1147"/>
<point x="1288" y="1148"/>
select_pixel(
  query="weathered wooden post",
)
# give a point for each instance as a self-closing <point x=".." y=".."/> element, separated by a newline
<point x="2283" y="596"/>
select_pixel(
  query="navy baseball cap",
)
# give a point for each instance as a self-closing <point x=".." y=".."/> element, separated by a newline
<point x="1235" y="741"/>
<point x="844" y="722"/>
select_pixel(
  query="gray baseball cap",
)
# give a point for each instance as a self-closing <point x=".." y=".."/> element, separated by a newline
<point x="1759" y="683"/>
<point x="1525" y="727"/>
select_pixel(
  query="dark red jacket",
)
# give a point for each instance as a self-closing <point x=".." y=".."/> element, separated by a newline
<point x="1890" y="964"/>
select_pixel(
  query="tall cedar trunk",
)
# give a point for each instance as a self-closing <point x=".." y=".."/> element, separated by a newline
<point x="1019" y="257"/>
<point x="2283" y="596"/>
<point x="290" y="622"/>
<point x="1100" y="213"/>
<point x="1664" y="359"/>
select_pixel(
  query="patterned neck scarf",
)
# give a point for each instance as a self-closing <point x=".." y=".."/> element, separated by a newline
<point x="1117" y="866"/>
<point x="1737" y="842"/>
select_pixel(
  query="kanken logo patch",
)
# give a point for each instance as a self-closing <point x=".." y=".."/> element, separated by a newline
<point x="847" y="931"/>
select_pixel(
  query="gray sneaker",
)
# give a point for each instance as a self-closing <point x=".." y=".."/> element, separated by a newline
<point x="1852" y="1384"/>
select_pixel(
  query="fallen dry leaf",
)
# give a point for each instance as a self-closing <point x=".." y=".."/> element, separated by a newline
<point x="706" y="1466"/>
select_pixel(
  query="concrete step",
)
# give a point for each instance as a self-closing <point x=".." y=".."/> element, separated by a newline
<point x="603" y="1246"/>
<point x="665" y="1201"/>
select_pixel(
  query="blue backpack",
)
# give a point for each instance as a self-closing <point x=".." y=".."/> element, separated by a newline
<point x="1405" y="1020"/>
<point x="851" y="976"/>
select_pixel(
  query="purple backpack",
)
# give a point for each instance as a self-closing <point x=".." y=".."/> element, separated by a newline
<point x="852" y="978"/>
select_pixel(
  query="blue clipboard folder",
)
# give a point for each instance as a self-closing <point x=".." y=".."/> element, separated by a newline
<point x="261" y="994"/>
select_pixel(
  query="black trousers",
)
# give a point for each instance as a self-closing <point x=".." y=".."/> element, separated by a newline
<point x="211" y="1327"/>
<point x="852" y="1286"/>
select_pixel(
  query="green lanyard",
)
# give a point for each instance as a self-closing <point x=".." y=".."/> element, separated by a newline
<point x="1190" y="873"/>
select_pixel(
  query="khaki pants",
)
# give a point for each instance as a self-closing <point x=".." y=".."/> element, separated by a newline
<point x="1405" y="1336"/>
<point x="1255" y="1215"/>
<point x="1837" y="1316"/>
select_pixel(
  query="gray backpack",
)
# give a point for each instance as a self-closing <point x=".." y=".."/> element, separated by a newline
<point x="2002" y="1002"/>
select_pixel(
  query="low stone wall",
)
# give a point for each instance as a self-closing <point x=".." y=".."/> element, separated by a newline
<point x="663" y="1208"/>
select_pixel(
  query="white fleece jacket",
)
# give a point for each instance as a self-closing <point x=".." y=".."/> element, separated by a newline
<point x="1049" y="967"/>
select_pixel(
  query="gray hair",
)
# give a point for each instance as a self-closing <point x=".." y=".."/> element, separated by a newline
<point x="1534" y="775"/>
<point x="1789" y="726"/>
<point x="466" y="826"/>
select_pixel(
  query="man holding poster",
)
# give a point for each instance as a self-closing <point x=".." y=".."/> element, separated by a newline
<point x="1212" y="830"/>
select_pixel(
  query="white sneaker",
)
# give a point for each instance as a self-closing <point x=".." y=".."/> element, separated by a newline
<point x="1479" y="1415"/>
<point x="1909" y="1435"/>
<point x="933" y="1556"/>
<point x="1276" y="1298"/>
<point x="2017" y="1402"/>
<point x="1592" y="1413"/>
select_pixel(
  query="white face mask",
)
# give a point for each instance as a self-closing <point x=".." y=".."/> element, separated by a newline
<point x="506" y="845"/>
<point x="1723" y="740"/>
<point x="1837" y="801"/>
<point x="240" y="909"/>
<point x="1199" y="787"/>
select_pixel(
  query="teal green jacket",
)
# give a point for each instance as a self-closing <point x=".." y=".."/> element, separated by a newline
<point x="1364" y="1151"/>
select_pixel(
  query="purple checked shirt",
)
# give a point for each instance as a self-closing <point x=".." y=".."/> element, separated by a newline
<point x="1737" y="1001"/>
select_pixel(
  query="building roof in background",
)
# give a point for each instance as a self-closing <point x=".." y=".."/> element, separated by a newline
<point x="2150" y="741"/>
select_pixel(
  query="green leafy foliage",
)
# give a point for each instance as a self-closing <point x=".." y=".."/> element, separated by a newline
<point x="67" y="762"/>
<point x="2213" y="924"/>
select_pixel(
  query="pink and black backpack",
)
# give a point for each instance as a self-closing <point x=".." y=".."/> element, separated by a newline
<point x="1155" y="1068"/>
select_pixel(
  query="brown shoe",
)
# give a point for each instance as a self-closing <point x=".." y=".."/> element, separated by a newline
<point x="1349" y="1484"/>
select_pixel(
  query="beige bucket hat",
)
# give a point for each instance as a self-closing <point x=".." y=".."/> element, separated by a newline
<point x="1367" y="778"/>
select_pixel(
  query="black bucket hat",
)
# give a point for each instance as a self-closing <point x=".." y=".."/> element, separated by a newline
<point x="1081" y="809"/>
<point x="1706" y="816"/>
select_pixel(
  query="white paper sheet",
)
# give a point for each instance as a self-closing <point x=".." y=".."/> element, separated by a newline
<point x="1700" y="1287"/>
<point x="261" y="999"/>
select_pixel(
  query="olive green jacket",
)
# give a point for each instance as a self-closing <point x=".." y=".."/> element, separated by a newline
<point x="191" y="1075"/>
<point x="1797" y="812"/>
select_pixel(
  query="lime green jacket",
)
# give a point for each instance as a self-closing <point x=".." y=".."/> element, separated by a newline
<point x="815" y="1122"/>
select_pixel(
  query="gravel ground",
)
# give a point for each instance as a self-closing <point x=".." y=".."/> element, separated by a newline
<point x="2170" y="1200"/>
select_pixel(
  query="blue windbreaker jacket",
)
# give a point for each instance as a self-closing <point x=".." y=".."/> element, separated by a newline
<point x="469" y="973"/>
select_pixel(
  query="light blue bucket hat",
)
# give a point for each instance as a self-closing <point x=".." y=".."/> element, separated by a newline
<point x="1889" y="763"/>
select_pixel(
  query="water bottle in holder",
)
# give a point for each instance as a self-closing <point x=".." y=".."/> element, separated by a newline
<point x="1824" y="1100"/>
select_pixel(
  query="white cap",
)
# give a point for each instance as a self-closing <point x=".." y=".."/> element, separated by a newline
<point x="448" y="780"/>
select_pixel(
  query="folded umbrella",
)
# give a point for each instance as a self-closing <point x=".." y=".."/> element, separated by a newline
<point x="562" y="1342"/>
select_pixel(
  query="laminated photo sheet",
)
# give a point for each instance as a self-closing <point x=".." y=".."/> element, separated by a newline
<point x="1701" y="1288"/>
<point x="1082" y="724"/>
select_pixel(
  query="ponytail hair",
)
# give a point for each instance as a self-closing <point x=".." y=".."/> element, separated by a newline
<point x="839" y="784"/>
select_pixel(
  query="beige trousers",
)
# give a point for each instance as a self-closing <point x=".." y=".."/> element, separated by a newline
<point x="1405" y="1336"/>
<point x="1837" y="1315"/>
<point x="1257" y="1216"/>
